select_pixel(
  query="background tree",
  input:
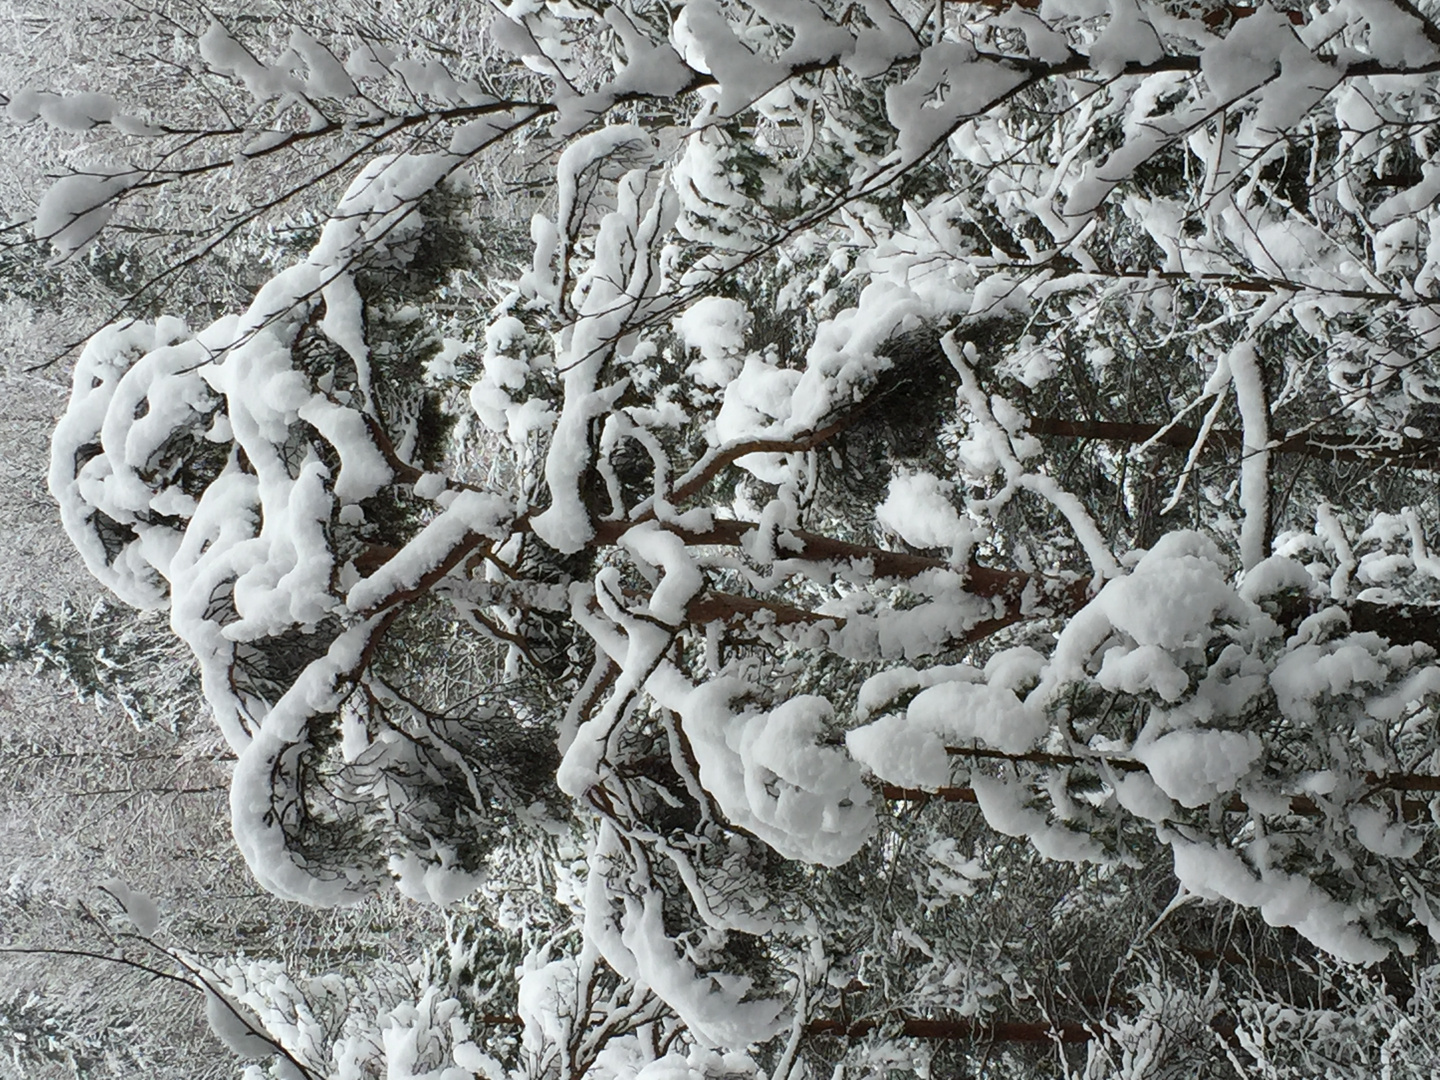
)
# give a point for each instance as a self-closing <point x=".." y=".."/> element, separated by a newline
<point x="108" y="655"/>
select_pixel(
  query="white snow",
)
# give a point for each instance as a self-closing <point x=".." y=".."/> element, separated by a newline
<point x="1129" y="38"/>
<point x="141" y="910"/>
<point x="78" y="206"/>
<point x="470" y="513"/>
<point x="1251" y="397"/>
<point x="919" y="508"/>
<point x="223" y="53"/>
<point x="991" y="715"/>
<point x="900" y="752"/>
<point x="1139" y="794"/>
<point x="770" y="773"/>
<point x="1379" y="833"/>
<point x="1283" y="899"/>
<point x="715" y="327"/>
<point x="1194" y="766"/>
<point x="236" y="1027"/>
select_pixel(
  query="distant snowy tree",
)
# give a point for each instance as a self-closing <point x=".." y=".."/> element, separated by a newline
<point x="110" y="656"/>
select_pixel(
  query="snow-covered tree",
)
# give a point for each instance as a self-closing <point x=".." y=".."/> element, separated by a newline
<point x="110" y="656"/>
<point x="1023" y="407"/>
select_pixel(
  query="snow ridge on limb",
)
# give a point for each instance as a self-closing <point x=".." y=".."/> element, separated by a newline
<point x="1200" y="740"/>
<point x="228" y="475"/>
<point x="610" y="295"/>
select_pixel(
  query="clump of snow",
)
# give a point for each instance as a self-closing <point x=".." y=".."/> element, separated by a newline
<point x="952" y="709"/>
<point x="1276" y="575"/>
<point x="1139" y="794"/>
<point x="1141" y="669"/>
<point x="706" y="42"/>
<point x="1174" y="594"/>
<point x="129" y="368"/>
<point x="951" y="83"/>
<point x="1283" y="899"/>
<point x="757" y="403"/>
<point x="1351" y="665"/>
<point x="141" y="910"/>
<point x="78" y="206"/>
<point x="1149" y="625"/>
<point x="1193" y="766"/>
<point x="900" y="752"/>
<point x="713" y="1006"/>
<point x="771" y="773"/>
<point x="223" y="53"/>
<point x="918" y="508"/>
<point x="1005" y="810"/>
<point x="237" y="1028"/>
<point x="979" y="712"/>
<point x="73" y="112"/>
<point x="1128" y="38"/>
<point x="1381" y="834"/>
<point x="612" y="292"/>
<point x="546" y="999"/>
<point x="715" y="327"/>
<point x="433" y="882"/>
<point x="701" y="1063"/>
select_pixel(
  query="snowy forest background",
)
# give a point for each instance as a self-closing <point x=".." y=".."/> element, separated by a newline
<point x="681" y="541"/>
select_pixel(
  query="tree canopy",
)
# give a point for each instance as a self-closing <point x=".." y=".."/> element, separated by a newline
<point x="927" y="525"/>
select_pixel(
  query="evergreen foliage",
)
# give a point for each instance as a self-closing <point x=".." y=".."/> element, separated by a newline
<point x="111" y="655"/>
<point x="921" y="565"/>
